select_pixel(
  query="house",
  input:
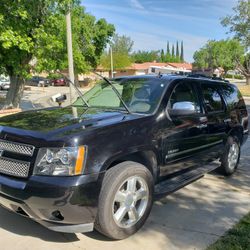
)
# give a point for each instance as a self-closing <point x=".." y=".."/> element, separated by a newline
<point x="148" y="68"/>
<point x="136" y="69"/>
<point x="171" y="68"/>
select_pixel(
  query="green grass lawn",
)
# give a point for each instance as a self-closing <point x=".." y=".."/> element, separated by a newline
<point x="237" y="238"/>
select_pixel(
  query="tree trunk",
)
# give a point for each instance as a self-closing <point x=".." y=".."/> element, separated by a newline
<point x="15" y="92"/>
<point x="248" y="80"/>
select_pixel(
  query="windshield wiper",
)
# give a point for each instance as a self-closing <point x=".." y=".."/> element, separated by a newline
<point x="115" y="90"/>
<point x="76" y="88"/>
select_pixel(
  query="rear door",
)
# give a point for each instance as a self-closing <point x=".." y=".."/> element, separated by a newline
<point x="215" y="109"/>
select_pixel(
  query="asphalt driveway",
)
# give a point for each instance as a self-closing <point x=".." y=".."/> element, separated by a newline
<point x="191" y="218"/>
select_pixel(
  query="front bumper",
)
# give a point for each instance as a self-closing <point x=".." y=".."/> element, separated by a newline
<point x="63" y="204"/>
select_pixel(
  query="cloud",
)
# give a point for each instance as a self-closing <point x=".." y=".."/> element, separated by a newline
<point x="136" y="4"/>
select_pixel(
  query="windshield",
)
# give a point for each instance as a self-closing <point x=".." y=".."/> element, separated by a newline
<point x="140" y="95"/>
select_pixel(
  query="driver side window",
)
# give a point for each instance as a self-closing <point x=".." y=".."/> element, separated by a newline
<point x="184" y="97"/>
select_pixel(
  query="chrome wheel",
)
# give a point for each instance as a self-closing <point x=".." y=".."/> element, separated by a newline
<point x="233" y="155"/>
<point x="130" y="202"/>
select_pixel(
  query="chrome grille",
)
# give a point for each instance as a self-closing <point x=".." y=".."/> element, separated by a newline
<point x="18" y="148"/>
<point x="14" y="167"/>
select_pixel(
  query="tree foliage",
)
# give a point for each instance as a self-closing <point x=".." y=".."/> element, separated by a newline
<point x="177" y="51"/>
<point x="37" y="30"/>
<point x="121" y="48"/>
<point x="221" y="53"/>
<point x="122" y="44"/>
<point x="239" y="24"/>
<point x="145" y="56"/>
<point x="160" y="55"/>
<point x="182" y="52"/>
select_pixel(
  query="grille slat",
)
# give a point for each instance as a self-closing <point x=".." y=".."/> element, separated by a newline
<point x="18" y="148"/>
<point x="14" y="167"/>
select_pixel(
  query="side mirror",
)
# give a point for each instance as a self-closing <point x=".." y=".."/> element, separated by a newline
<point x="182" y="108"/>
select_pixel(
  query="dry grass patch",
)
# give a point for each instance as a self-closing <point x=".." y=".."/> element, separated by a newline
<point x="245" y="90"/>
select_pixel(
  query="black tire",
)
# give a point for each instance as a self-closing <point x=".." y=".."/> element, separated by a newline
<point x="225" y="168"/>
<point x="114" y="178"/>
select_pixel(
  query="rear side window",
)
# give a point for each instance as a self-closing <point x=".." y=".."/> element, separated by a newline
<point x="232" y="96"/>
<point x="212" y="98"/>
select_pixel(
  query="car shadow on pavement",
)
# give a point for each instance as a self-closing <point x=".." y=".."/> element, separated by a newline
<point x="19" y="225"/>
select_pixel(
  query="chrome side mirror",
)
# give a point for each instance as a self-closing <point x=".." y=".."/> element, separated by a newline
<point x="182" y="108"/>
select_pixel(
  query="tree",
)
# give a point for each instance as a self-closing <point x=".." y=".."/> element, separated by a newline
<point x="182" y="52"/>
<point x="122" y="44"/>
<point x="168" y="54"/>
<point x="120" y="61"/>
<point x="145" y="56"/>
<point x="121" y="47"/>
<point x="239" y="24"/>
<point x="168" y="49"/>
<point x="162" y="56"/>
<point x="221" y="53"/>
<point x="173" y="53"/>
<point x="36" y="30"/>
<point x="177" y="51"/>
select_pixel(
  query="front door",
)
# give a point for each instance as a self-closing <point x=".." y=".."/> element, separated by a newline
<point x="186" y="137"/>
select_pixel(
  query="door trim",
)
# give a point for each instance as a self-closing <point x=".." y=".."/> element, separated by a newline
<point x="169" y="156"/>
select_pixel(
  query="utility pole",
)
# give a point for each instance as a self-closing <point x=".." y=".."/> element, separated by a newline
<point x="111" y="61"/>
<point x="70" y="55"/>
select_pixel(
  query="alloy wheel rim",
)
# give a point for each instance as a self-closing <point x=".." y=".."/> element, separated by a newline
<point x="233" y="156"/>
<point x="130" y="202"/>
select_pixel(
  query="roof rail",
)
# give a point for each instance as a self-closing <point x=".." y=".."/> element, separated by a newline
<point x="208" y="77"/>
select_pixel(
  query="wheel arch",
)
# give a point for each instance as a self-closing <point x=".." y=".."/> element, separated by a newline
<point x="238" y="132"/>
<point x="148" y="158"/>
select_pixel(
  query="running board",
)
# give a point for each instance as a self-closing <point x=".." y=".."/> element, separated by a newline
<point x="173" y="184"/>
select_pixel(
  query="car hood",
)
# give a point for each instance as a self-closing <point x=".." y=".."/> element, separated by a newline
<point x="59" y="122"/>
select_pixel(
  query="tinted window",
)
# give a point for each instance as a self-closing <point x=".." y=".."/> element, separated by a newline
<point x="212" y="98"/>
<point x="232" y="96"/>
<point x="184" y="92"/>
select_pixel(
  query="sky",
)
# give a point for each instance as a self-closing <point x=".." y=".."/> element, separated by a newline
<point x="151" y="23"/>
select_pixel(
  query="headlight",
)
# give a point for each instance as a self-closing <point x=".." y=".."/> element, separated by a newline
<point x="60" y="161"/>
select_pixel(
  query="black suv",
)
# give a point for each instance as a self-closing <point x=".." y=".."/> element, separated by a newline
<point x="100" y="161"/>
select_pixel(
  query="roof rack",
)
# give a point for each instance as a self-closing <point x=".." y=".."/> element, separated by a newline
<point x="207" y="77"/>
